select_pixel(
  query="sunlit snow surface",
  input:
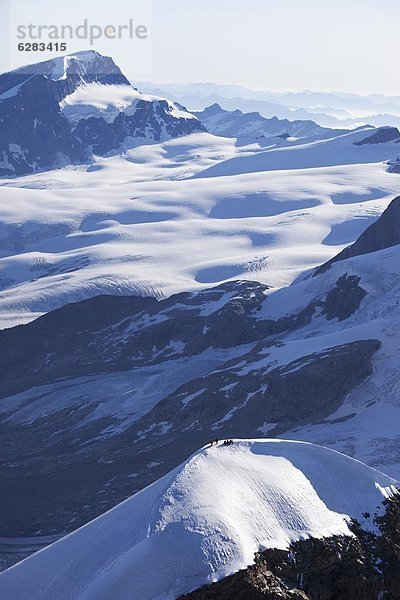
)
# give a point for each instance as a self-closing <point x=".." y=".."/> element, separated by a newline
<point x="168" y="217"/>
<point x="201" y="522"/>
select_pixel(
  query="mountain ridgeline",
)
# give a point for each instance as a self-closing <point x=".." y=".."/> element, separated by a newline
<point x="252" y="125"/>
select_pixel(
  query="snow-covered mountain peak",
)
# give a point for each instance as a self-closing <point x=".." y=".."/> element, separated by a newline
<point x="67" y="109"/>
<point x="72" y="69"/>
<point x="83" y="63"/>
<point x="203" y="521"/>
<point x="87" y="56"/>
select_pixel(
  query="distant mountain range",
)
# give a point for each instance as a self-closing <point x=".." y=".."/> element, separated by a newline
<point x="248" y="127"/>
<point x="335" y="109"/>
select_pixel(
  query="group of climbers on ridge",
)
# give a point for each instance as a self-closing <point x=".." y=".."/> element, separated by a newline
<point x="226" y="442"/>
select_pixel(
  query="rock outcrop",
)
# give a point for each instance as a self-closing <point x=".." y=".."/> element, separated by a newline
<point x="383" y="135"/>
<point x="384" y="233"/>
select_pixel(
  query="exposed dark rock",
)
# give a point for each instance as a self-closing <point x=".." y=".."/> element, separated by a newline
<point x="256" y="582"/>
<point x="384" y="134"/>
<point x="304" y="391"/>
<point x="344" y="300"/>
<point x="388" y="546"/>
<point x="336" y="568"/>
<point x="123" y="332"/>
<point x="394" y="166"/>
<point x="314" y="386"/>
<point x="384" y="233"/>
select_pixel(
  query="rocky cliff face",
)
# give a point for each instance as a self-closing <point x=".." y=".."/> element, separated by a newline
<point x="384" y="233"/>
<point x="35" y="132"/>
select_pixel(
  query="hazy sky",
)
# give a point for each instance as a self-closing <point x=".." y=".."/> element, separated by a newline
<point x="349" y="45"/>
<point x="282" y="45"/>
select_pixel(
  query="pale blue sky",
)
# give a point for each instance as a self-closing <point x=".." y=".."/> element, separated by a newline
<point x="282" y="45"/>
<point x="349" y="45"/>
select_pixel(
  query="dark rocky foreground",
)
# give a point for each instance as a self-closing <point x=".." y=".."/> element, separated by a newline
<point x="363" y="567"/>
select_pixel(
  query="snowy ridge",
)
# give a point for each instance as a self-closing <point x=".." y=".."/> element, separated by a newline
<point x="333" y="109"/>
<point x="202" y="521"/>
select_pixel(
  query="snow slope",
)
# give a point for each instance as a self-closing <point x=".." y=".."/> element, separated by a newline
<point x="141" y="223"/>
<point x="341" y="150"/>
<point x="202" y="521"/>
<point x="366" y="425"/>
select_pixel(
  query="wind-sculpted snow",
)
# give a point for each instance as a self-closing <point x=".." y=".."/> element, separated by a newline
<point x="203" y="521"/>
<point x="140" y="223"/>
<point x="342" y="150"/>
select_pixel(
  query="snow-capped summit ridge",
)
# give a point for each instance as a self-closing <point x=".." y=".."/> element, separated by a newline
<point x="202" y="521"/>
<point x="62" y="63"/>
<point x="86" y="55"/>
<point x="86" y="65"/>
